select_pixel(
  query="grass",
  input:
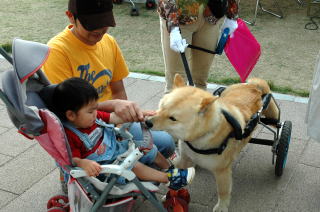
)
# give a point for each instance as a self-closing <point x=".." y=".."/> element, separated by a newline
<point x="230" y="81"/>
<point x="7" y="47"/>
<point x="139" y="40"/>
<point x="223" y="81"/>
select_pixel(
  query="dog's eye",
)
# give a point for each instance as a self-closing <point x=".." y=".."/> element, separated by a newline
<point x="172" y="118"/>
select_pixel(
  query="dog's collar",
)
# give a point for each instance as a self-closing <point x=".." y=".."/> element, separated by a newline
<point x="236" y="133"/>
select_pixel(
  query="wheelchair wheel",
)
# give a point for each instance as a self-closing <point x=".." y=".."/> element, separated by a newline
<point x="283" y="147"/>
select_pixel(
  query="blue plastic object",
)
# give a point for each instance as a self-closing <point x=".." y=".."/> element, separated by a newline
<point x="222" y="41"/>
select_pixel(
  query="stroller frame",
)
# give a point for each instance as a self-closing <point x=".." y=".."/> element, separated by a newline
<point x="28" y="121"/>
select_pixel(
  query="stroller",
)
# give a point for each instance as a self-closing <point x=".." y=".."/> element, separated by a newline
<point x="25" y="94"/>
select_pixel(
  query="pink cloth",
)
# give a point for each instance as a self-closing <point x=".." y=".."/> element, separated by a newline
<point x="242" y="50"/>
<point x="53" y="138"/>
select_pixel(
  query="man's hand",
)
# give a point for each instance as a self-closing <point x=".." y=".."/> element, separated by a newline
<point x="128" y="111"/>
<point x="177" y="44"/>
<point x="231" y="24"/>
<point x="149" y="112"/>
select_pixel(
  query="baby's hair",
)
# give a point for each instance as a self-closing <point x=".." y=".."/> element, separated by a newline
<point x="72" y="94"/>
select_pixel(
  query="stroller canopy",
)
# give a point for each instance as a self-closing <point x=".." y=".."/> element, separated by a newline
<point x="21" y="93"/>
<point x="27" y="58"/>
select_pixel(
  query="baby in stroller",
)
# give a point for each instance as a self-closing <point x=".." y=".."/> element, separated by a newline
<point x="28" y="94"/>
<point x="93" y="142"/>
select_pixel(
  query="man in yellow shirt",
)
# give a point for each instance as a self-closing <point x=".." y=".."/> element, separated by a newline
<point x="84" y="49"/>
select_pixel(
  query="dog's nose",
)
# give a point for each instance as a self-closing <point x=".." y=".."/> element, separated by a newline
<point x="149" y="123"/>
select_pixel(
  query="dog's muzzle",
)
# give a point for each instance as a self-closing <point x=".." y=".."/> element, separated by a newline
<point x="149" y="123"/>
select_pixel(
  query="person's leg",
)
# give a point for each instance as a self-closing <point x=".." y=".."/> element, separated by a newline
<point x="161" y="161"/>
<point x="161" y="139"/>
<point x="178" y="178"/>
<point x="153" y="156"/>
<point x="147" y="173"/>
<point x="206" y="37"/>
<point x="150" y="157"/>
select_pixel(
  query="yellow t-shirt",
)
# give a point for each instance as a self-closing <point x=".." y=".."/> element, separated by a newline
<point x="99" y="64"/>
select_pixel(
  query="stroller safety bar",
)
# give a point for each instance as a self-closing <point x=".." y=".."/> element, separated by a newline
<point x="121" y="170"/>
<point x="110" y="169"/>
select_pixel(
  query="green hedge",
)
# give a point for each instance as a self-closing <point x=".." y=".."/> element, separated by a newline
<point x="7" y="47"/>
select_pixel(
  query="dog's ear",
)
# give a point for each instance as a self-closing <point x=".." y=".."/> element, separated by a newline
<point x="178" y="81"/>
<point x="205" y="104"/>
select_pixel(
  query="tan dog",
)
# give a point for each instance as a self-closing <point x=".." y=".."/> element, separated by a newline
<point x="196" y="116"/>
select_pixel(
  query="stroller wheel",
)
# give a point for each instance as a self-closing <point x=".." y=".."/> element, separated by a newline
<point x="56" y="209"/>
<point x="150" y="4"/>
<point x="283" y="147"/>
<point x="59" y="201"/>
<point x="134" y="11"/>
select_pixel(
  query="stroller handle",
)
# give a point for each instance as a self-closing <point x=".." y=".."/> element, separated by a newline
<point x="122" y="170"/>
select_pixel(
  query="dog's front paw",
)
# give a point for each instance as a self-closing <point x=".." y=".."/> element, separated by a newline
<point x="220" y="208"/>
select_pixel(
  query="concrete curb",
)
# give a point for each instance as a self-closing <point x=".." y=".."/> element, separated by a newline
<point x="213" y="86"/>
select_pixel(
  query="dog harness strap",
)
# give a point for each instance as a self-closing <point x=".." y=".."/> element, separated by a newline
<point x="237" y="133"/>
<point x="218" y="150"/>
<point x="234" y="123"/>
<point x="251" y="125"/>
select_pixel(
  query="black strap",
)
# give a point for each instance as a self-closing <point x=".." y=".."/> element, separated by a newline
<point x="201" y="49"/>
<point x="218" y="150"/>
<point x="234" y="123"/>
<point x="219" y="91"/>
<point x="266" y="98"/>
<point x="186" y="67"/>
<point x="185" y="62"/>
<point x="237" y="133"/>
<point x="251" y="125"/>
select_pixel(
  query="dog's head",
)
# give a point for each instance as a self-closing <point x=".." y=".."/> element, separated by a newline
<point x="184" y="112"/>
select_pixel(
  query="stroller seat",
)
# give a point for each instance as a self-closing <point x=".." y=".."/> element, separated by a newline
<point x="26" y="96"/>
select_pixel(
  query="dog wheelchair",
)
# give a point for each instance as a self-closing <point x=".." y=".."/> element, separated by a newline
<point x="281" y="135"/>
<point x="25" y="93"/>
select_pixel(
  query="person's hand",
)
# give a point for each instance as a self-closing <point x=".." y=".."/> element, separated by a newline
<point x="177" y="44"/>
<point x="231" y="24"/>
<point x="149" y="113"/>
<point x="128" y="111"/>
<point x="92" y="168"/>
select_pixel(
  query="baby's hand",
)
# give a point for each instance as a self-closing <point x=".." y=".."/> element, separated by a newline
<point x="92" y="168"/>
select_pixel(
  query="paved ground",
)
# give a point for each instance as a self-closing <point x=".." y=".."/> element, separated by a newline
<point x="29" y="177"/>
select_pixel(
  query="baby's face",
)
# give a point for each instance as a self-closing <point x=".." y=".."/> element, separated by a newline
<point x="86" y="116"/>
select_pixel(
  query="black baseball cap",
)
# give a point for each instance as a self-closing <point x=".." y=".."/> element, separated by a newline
<point x="93" y="14"/>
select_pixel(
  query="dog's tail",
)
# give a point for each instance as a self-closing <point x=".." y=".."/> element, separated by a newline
<point x="272" y="111"/>
<point x="261" y="84"/>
